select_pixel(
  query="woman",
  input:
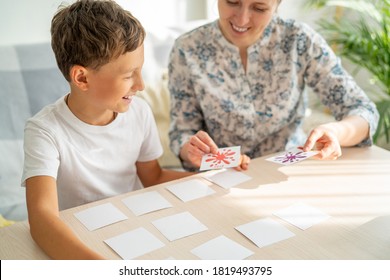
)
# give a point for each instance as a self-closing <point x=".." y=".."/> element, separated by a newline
<point x="241" y="79"/>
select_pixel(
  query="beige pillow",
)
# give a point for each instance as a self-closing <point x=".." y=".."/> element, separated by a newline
<point x="159" y="100"/>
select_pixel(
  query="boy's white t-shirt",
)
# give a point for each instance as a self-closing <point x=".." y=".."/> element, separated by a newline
<point x="89" y="162"/>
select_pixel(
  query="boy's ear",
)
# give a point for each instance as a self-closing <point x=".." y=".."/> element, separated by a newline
<point x="78" y="75"/>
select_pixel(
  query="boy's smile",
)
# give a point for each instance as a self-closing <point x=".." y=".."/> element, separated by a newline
<point x="128" y="98"/>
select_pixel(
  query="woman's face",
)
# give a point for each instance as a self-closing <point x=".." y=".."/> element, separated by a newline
<point x="243" y="21"/>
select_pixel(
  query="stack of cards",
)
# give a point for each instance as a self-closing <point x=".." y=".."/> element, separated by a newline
<point x="146" y="202"/>
<point x="179" y="225"/>
<point x="302" y="216"/>
<point x="134" y="243"/>
<point x="262" y="232"/>
<point x="190" y="190"/>
<point x="265" y="232"/>
<point x="227" y="178"/>
<point x="221" y="248"/>
<point x="100" y="216"/>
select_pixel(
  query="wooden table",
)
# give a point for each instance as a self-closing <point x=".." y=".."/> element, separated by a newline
<point x="354" y="190"/>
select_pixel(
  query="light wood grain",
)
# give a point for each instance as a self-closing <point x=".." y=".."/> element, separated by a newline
<point x="354" y="191"/>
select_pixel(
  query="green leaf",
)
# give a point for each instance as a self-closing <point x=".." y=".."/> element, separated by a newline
<point x="361" y="6"/>
<point x="384" y="121"/>
<point x="364" y="39"/>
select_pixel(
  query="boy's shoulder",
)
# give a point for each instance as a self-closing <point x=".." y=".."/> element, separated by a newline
<point x="47" y="111"/>
<point x="57" y="114"/>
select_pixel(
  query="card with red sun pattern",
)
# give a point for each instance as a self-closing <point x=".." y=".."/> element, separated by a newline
<point x="224" y="158"/>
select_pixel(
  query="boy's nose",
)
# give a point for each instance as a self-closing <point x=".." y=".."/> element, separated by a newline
<point x="139" y="84"/>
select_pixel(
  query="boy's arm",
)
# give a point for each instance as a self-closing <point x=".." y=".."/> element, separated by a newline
<point x="150" y="173"/>
<point x="47" y="229"/>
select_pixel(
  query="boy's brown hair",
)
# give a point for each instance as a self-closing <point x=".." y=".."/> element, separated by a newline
<point x="91" y="33"/>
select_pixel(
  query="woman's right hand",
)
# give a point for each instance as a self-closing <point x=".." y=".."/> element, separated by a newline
<point x="196" y="147"/>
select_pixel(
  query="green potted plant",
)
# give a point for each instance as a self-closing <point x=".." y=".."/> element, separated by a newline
<point x="361" y="34"/>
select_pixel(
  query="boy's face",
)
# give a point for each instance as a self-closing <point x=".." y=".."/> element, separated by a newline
<point x="112" y="87"/>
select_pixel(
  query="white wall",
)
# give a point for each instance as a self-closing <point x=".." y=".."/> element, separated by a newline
<point x="287" y="9"/>
<point x="28" y="21"/>
<point x="25" y="21"/>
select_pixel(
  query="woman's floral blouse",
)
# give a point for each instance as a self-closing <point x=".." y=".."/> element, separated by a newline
<point x="261" y="109"/>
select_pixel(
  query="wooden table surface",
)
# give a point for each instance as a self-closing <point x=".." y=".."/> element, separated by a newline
<point x="354" y="190"/>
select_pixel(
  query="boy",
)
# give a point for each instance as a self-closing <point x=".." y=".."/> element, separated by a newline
<point x="99" y="140"/>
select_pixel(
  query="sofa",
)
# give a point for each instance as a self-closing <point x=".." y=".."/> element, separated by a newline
<point x="30" y="79"/>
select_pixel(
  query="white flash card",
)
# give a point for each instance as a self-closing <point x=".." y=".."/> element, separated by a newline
<point x="135" y="243"/>
<point x="221" y="248"/>
<point x="190" y="190"/>
<point x="228" y="178"/>
<point x="224" y="158"/>
<point x="100" y="216"/>
<point x="302" y="215"/>
<point x="179" y="225"/>
<point x="292" y="156"/>
<point x="146" y="202"/>
<point x="265" y="232"/>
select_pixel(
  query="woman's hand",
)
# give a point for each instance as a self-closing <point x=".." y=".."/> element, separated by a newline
<point x="196" y="147"/>
<point x="244" y="163"/>
<point x="328" y="138"/>
<point x="325" y="140"/>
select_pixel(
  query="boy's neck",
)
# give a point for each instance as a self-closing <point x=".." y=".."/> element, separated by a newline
<point x="88" y="116"/>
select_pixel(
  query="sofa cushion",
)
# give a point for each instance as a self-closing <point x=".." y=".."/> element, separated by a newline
<point x="14" y="108"/>
<point x="12" y="196"/>
<point x="29" y="80"/>
<point x="158" y="99"/>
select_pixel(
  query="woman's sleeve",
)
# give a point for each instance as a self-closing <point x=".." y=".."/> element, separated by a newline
<point x="335" y="87"/>
<point x="185" y="112"/>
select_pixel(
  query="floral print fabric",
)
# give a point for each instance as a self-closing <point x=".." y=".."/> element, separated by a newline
<point x="260" y="109"/>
